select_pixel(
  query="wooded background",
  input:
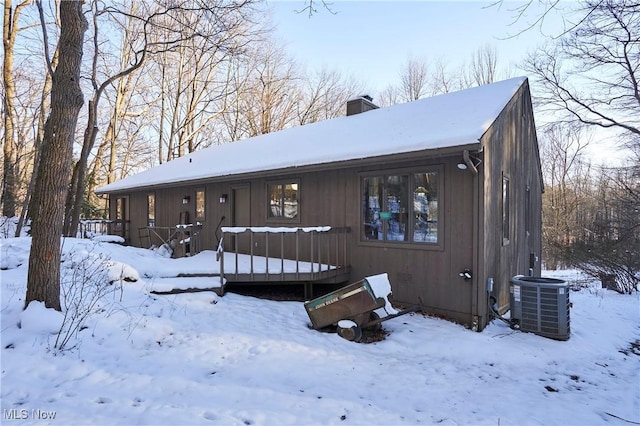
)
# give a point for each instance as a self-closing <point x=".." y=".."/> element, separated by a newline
<point x="160" y="79"/>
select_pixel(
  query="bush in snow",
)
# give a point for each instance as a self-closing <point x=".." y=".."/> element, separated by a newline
<point x="87" y="287"/>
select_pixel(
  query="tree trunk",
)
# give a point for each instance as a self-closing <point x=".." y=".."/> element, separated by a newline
<point x="10" y="29"/>
<point x="75" y="196"/>
<point x="42" y="116"/>
<point x="43" y="281"/>
<point x="111" y="134"/>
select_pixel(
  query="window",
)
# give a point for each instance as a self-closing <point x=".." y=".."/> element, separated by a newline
<point x="425" y="207"/>
<point x="151" y="210"/>
<point x="527" y="210"/>
<point x="506" y="221"/>
<point x="200" y="204"/>
<point x="283" y="201"/>
<point x="120" y="208"/>
<point x="121" y="216"/>
<point x="401" y="207"/>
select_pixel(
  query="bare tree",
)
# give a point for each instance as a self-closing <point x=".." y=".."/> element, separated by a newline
<point x="442" y="80"/>
<point x="27" y="107"/>
<point x="43" y="281"/>
<point x="418" y="79"/>
<point x="483" y="68"/>
<point x="123" y="110"/>
<point x="414" y="79"/>
<point x="323" y="95"/>
<point x="311" y="7"/>
<point x="174" y="26"/>
<point x="530" y="14"/>
<point x="388" y="96"/>
<point x="265" y="96"/>
<point x="415" y="83"/>
<point x="196" y="95"/>
<point x="567" y="190"/>
<point x="591" y="75"/>
<point x="10" y="170"/>
<point x="42" y="108"/>
<point x="608" y="250"/>
<point x="134" y="60"/>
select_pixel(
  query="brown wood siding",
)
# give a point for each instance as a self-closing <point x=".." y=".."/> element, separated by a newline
<point x="332" y="197"/>
<point x="470" y="205"/>
<point x="510" y="148"/>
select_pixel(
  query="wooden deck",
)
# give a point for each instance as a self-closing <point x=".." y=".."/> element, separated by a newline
<point x="294" y="255"/>
<point x="283" y="255"/>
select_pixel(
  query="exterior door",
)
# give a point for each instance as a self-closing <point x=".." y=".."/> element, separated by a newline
<point x="121" y="214"/>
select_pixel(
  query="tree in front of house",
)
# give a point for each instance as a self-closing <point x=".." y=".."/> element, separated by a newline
<point x="43" y="281"/>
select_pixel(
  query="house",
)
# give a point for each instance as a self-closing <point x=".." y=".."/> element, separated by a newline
<point x="442" y="194"/>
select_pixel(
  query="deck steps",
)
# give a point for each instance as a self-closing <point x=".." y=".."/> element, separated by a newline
<point x="187" y="283"/>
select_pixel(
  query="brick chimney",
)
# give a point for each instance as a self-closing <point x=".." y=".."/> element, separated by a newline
<point x="360" y="104"/>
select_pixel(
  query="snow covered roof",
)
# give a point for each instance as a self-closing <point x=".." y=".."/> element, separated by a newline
<point x="449" y="120"/>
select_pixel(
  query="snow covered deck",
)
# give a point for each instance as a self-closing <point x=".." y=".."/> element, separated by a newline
<point x="284" y="254"/>
<point x="274" y="256"/>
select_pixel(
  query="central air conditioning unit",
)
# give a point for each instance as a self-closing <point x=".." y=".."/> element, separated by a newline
<point x="541" y="306"/>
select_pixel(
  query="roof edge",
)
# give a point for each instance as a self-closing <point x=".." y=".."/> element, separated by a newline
<point x="343" y="164"/>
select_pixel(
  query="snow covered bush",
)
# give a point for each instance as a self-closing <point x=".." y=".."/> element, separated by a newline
<point x="89" y="285"/>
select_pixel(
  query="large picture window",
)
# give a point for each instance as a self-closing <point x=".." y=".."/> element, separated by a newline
<point x="401" y="207"/>
<point x="283" y="201"/>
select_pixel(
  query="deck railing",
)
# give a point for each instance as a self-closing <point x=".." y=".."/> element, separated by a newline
<point x="184" y="240"/>
<point x="295" y="254"/>
<point x="88" y="228"/>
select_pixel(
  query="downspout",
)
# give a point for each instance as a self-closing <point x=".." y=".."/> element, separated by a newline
<point x="468" y="162"/>
<point x="477" y="289"/>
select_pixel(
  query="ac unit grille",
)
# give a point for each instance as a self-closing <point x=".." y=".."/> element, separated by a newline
<point x="541" y="306"/>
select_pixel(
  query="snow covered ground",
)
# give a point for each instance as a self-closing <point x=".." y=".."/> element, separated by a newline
<point x="236" y="360"/>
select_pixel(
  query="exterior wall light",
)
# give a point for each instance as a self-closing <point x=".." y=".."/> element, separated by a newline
<point x="469" y="162"/>
<point x="185" y="200"/>
<point x="223" y="198"/>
